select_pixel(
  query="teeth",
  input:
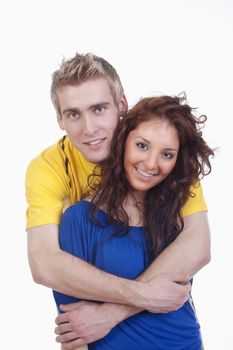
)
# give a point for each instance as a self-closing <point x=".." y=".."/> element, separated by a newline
<point x="95" y="142"/>
<point x="144" y="173"/>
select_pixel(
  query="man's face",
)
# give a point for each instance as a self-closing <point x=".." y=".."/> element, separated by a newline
<point x="89" y="116"/>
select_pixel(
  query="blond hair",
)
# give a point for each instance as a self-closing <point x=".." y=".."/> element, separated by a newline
<point x="83" y="67"/>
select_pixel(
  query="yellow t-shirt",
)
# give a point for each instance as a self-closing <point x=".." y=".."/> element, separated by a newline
<point x="57" y="178"/>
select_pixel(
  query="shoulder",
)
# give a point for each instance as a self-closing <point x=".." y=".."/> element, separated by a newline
<point x="78" y="210"/>
<point x="46" y="176"/>
<point x="49" y="163"/>
<point x="77" y="217"/>
<point x="81" y="206"/>
<point x="50" y="155"/>
<point x="196" y="202"/>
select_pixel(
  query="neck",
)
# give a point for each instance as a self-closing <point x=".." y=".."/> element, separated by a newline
<point x="138" y="195"/>
<point x="134" y="207"/>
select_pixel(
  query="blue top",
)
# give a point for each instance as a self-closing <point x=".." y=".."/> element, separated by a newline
<point x="125" y="256"/>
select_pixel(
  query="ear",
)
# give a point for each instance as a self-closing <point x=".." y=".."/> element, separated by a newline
<point x="60" y="122"/>
<point x="123" y="107"/>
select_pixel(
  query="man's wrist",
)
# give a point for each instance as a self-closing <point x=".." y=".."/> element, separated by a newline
<point x="120" y="312"/>
<point x="134" y="294"/>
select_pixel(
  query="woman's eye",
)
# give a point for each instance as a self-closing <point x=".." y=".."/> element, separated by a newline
<point x="168" y="155"/>
<point x="142" y="145"/>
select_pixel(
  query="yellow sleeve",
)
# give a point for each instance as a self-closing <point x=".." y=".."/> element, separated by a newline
<point x="46" y="191"/>
<point x="194" y="204"/>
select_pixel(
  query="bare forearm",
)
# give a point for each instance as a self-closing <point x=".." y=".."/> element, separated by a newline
<point x="73" y="276"/>
<point x="82" y="280"/>
<point x="70" y="275"/>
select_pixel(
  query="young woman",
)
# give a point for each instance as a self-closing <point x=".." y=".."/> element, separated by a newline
<point x="157" y="153"/>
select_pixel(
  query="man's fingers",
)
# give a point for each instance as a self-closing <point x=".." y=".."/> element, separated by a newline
<point x="63" y="328"/>
<point x="73" y="345"/>
<point x="185" y="293"/>
<point x="183" y="283"/>
<point x="181" y="279"/>
<point x="70" y="307"/>
<point x="61" y="318"/>
<point x="67" y="337"/>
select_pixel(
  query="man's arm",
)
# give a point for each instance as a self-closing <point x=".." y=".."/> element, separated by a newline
<point x="91" y="321"/>
<point x="68" y="274"/>
<point x="192" y="246"/>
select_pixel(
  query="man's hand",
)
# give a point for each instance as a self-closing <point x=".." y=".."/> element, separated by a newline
<point x="166" y="292"/>
<point x="84" y="322"/>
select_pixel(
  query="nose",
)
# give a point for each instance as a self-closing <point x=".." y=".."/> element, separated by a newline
<point x="151" y="162"/>
<point x="89" y="125"/>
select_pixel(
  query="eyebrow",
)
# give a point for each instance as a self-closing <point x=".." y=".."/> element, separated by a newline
<point x="165" y="149"/>
<point x="100" y="104"/>
<point x="140" y="137"/>
<point x="71" y="110"/>
<point x="77" y="110"/>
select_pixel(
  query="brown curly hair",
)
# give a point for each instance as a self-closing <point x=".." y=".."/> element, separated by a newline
<point x="162" y="208"/>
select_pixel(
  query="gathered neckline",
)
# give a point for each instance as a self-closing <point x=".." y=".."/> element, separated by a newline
<point x="105" y="215"/>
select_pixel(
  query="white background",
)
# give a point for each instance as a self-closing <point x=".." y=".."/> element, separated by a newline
<point x="166" y="46"/>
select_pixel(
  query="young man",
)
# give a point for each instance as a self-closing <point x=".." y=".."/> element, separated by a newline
<point x="89" y="99"/>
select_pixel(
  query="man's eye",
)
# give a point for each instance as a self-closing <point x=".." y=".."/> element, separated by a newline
<point x="73" y="115"/>
<point x="142" y="145"/>
<point x="100" y="109"/>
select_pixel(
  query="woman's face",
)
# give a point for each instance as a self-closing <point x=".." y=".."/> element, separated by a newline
<point x="150" y="154"/>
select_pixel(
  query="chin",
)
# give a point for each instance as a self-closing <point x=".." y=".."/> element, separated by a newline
<point x="96" y="160"/>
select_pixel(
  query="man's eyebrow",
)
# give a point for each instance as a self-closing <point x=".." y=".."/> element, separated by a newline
<point x="104" y="104"/>
<point x="76" y="110"/>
